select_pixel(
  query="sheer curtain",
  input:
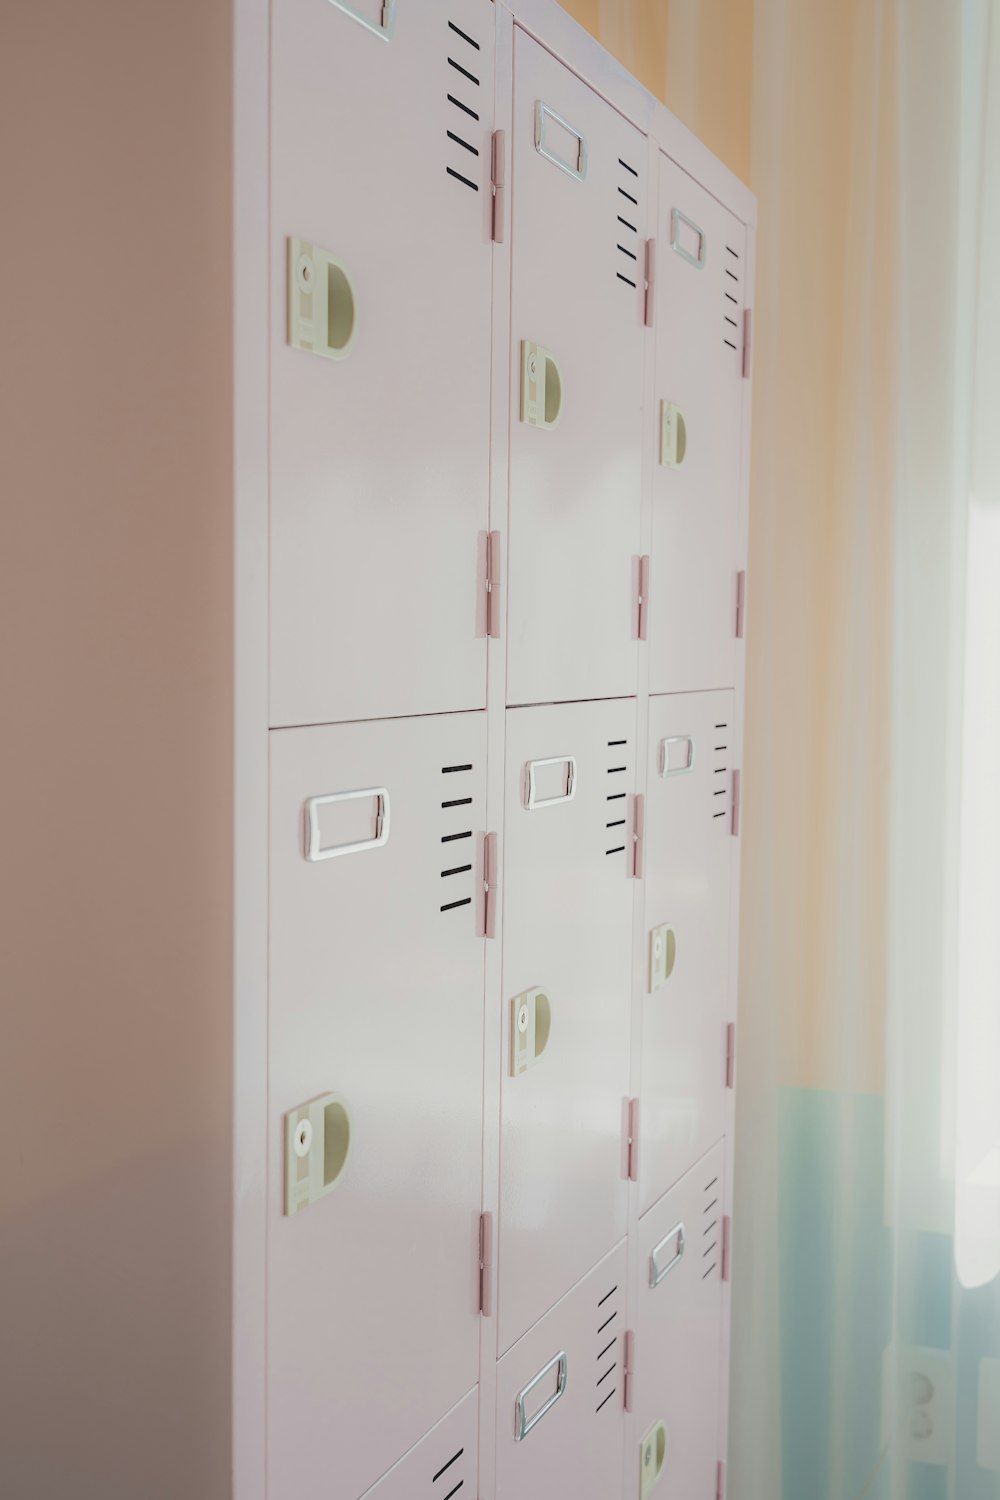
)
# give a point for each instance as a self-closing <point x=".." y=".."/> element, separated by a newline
<point x="866" y="1357"/>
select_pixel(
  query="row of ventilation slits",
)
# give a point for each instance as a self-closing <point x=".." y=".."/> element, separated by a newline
<point x="443" y="1484"/>
<point x="456" y="842"/>
<point x="720" y="771"/>
<point x="627" y="227"/>
<point x="711" y="1229"/>
<point x="463" y="81"/>
<point x="609" y="1349"/>
<point x="617" y="797"/>
<point x="732" y="300"/>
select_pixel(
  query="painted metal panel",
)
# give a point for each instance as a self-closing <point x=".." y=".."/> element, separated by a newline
<point x="376" y="994"/>
<point x="579" y="193"/>
<point x="678" y="1354"/>
<point x="380" y="459"/>
<point x="573" y="1442"/>
<point x="699" y="373"/>
<point x="689" y="864"/>
<point x="567" y="932"/>
<point x="442" y="1465"/>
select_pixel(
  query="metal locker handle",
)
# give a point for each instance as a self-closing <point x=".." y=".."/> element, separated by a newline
<point x="524" y="1423"/>
<point x="385" y="27"/>
<point x="666" y="769"/>
<point x="678" y="1238"/>
<point x="676" y="220"/>
<point x="314" y="834"/>
<point x="542" y="116"/>
<point x="535" y="802"/>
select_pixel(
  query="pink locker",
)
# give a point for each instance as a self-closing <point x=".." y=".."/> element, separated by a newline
<point x="441" y="1466"/>
<point x="567" y="935"/>
<point x="701" y="299"/>
<point x="560" y="1396"/>
<point x="686" y="1004"/>
<point x="381" y="255"/>
<point x="678" y="1357"/>
<point x="577" y="299"/>
<point x="376" y="1005"/>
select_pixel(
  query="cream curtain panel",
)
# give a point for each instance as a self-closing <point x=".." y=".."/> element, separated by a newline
<point x="867" y="1255"/>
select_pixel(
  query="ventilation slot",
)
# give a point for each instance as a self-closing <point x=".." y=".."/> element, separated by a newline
<point x="732" y="299"/>
<point x="462" y="78"/>
<point x="626" y="227"/>
<point x="457" y="872"/>
<point x="711" y="1229"/>
<point x="607" y="1363"/>
<point x="615" y="822"/>
<point x="449" y="1479"/>
<point x="720" y="782"/>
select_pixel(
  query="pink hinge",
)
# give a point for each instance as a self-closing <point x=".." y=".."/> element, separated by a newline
<point x="486" y="1265"/>
<point x="741" y="602"/>
<point x="747" y="339"/>
<point x="720" y="1482"/>
<point x="493" y="584"/>
<point x="731" y="1055"/>
<point x="490" y="886"/>
<point x="649" y="312"/>
<point x="642" y="622"/>
<point x="638" y="835"/>
<point x="633" y="1140"/>
<point x="629" y="1361"/>
<point x="736" y="804"/>
<point x="499" y="187"/>
<point x="727" y="1234"/>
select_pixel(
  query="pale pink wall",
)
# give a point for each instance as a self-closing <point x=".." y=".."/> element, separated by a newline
<point x="115" y="779"/>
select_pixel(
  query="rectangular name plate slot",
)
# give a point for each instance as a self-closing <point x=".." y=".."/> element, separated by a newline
<point x="677" y="755"/>
<point x="689" y="242"/>
<point x="550" y="782"/>
<point x="667" y="1255"/>
<point x="560" y="142"/>
<point x="346" y="823"/>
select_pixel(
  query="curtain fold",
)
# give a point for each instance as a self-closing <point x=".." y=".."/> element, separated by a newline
<point x="866" y="1304"/>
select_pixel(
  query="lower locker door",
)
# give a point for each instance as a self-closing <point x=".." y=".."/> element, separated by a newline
<point x="443" y="1465"/>
<point x="678" y="1355"/>
<point x="560" y="1396"/>
<point x="567" y="937"/>
<point x="375" y="1086"/>
<point x="686" y="1007"/>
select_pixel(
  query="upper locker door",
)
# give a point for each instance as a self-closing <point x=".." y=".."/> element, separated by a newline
<point x="375" y="1048"/>
<point x="577" y="310"/>
<point x="701" y="251"/>
<point x="567" y="937"/>
<point x="689" y="858"/>
<point x="381" y="129"/>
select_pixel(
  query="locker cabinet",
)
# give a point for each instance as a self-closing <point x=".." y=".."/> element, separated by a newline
<point x="377" y="1000"/>
<point x="688" y="870"/>
<point x="491" y="447"/>
<point x="442" y="1465"/>
<point x="696" y="430"/>
<point x="567" y="935"/>
<point x="560" y="1396"/>
<point x="381" y="199"/>
<point x="678" y="1349"/>
<point x="580" y="197"/>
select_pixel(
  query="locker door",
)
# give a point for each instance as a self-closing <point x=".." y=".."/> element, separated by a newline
<point x="381" y="152"/>
<point x="699" y="391"/>
<point x="444" y="1463"/>
<point x="689" y="854"/>
<point x="376" y="1000"/>
<point x="567" y="897"/>
<point x="560" y="1396"/>
<point x="578" y="221"/>
<point x="678" y="1354"/>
